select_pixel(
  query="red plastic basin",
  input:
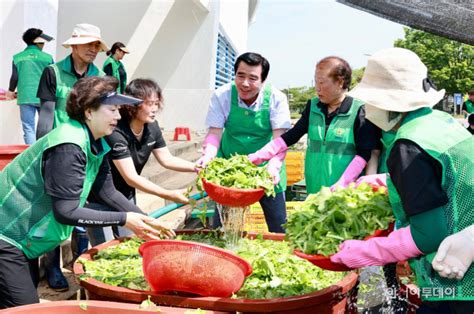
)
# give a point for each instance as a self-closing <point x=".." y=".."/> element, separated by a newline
<point x="337" y="298"/>
<point x="92" y="307"/>
<point x="324" y="262"/>
<point x="9" y="152"/>
<point x="231" y="196"/>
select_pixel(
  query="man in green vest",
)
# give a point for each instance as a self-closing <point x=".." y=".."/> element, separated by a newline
<point x="57" y="80"/>
<point x="430" y="177"/>
<point x="468" y="106"/>
<point x="245" y="115"/>
<point x="55" y="84"/>
<point x="27" y="67"/>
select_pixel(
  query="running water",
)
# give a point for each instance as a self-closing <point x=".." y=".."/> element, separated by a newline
<point x="232" y="219"/>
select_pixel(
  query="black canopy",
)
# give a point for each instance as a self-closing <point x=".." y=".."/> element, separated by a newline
<point x="447" y="18"/>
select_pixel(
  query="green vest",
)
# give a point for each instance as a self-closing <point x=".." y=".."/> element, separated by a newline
<point x="26" y="217"/>
<point x="30" y="64"/>
<point x="444" y="139"/>
<point x="469" y="106"/>
<point x="387" y="140"/>
<point x="329" y="152"/>
<point x="65" y="80"/>
<point x="116" y="65"/>
<point x="246" y="131"/>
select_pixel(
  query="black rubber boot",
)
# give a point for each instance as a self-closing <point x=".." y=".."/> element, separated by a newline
<point x="54" y="275"/>
<point x="79" y="242"/>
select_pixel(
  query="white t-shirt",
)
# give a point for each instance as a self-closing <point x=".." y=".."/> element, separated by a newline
<point x="219" y="107"/>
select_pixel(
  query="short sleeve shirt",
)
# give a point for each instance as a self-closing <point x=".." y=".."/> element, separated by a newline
<point x="124" y="144"/>
<point x="219" y="107"/>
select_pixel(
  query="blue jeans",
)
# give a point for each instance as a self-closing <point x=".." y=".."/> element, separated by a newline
<point x="274" y="210"/>
<point x="27" y="116"/>
<point x="98" y="235"/>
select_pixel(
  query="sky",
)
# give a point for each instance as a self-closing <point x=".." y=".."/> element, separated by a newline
<point x="294" y="34"/>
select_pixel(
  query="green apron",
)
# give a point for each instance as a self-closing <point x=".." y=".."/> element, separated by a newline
<point x="246" y="131"/>
<point x="387" y="140"/>
<point x="26" y="217"/>
<point x="65" y="80"/>
<point x="329" y="152"/>
<point x="115" y="72"/>
<point x="30" y="64"/>
<point x="444" y="139"/>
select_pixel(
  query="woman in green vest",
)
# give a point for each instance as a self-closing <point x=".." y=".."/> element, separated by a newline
<point x="27" y="67"/>
<point x="45" y="188"/>
<point x="114" y="67"/>
<point x="340" y="139"/>
<point x="430" y="177"/>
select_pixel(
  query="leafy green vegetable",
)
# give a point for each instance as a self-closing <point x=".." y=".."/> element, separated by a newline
<point x="328" y="218"/>
<point x="276" y="272"/>
<point x="83" y="306"/>
<point x="146" y="303"/>
<point x="238" y="172"/>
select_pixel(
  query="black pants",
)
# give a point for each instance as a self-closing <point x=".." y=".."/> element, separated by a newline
<point x="18" y="277"/>
<point x="446" y="307"/>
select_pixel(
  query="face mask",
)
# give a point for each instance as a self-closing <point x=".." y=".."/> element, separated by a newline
<point x="384" y="119"/>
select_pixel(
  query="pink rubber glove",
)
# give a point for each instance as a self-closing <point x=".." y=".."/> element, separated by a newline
<point x="209" y="150"/>
<point x="351" y="173"/>
<point x="373" y="179"/>
<point x="274" y="166"/>
<point x="268" y="151"/>
<point x="398" y="246"/>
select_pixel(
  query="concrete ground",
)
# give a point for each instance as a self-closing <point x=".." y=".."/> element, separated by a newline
<point x="188" y="150"/>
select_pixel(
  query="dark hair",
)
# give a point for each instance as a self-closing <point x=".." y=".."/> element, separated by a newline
<point x="340" y="68"/>
<point x="470" y="119"/>
<point x="140" y="88"/>
<point x="471" y="92"/>
<point x="30" y="35"/>
<point x="114" y="48"/>
<point x="86" y="94"/>
<point x="253" y="59"/>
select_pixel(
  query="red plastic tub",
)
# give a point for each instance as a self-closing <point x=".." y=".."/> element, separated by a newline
<point x="9" y="152"/>
<point x="92" y="307"/>
<point x="338" y="298"/>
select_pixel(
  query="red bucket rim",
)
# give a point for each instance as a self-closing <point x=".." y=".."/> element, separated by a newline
<point x="230" y="189"/>
<point x="246" y="265"/>
<point x="322" y="261"/>
<point x="13" y="149"/>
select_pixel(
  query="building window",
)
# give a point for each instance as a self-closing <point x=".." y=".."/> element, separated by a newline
<point x="225" y="61"/>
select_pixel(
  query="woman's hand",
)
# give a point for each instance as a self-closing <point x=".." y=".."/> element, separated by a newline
<point x="145" y="227"/>
<point x="165" y="231"/>
<point x="177" y="196"/>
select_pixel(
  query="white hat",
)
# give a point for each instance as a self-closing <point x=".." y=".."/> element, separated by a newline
<point x="84" y="34"/>
<point x="395" y="79"/>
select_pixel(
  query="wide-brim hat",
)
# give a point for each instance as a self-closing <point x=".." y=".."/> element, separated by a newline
<point x="395" y="79"/>
<point x="43" y="38"/>
<point x="114" y="98"/>
<point x="84" y="34"/>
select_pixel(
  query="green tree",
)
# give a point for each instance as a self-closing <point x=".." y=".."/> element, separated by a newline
<point x="298" y="97"/>
<point x="356" y="77"/>
<point x="450" y="63"/>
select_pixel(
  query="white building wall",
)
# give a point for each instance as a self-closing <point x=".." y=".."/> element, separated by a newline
<point x="171" y="41"/>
